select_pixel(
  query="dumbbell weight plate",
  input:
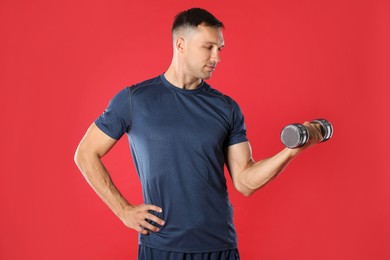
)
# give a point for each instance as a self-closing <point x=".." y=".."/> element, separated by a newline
<point x="294" y="135"/>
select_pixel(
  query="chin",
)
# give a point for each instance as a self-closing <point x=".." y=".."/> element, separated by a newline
<point x="207" y="76"/>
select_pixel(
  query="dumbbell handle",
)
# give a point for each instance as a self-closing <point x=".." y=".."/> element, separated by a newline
<point x="297" y="135"/>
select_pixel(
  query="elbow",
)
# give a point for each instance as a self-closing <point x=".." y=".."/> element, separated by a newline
<point x="77" y="158"/>
<point x="83" y="163"/>
<point x="80" y="158"/>
<point x="87" y="162"/>
<point x="244" y="189"/>
<point x="247" y="187"/>
<point x="247" y="193"/>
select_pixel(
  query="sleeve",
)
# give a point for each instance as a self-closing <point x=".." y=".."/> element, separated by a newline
<point x="116" y="119"/>
<point x="237" y="133"/>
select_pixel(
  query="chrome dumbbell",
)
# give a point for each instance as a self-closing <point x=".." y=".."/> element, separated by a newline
<point x="297" y="135"/>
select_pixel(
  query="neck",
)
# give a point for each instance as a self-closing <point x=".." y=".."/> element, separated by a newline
<point x="177" y="77"/>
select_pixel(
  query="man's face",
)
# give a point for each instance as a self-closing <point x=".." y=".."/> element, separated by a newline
<point x="202" y="51"/>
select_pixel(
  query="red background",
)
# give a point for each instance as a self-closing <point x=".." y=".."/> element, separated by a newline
<point x="284" y="62"/>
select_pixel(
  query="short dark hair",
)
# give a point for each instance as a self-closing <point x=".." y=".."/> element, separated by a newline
<point x="194" y="17"/>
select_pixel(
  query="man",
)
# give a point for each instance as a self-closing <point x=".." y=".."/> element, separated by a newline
<point x="181" y="133"/>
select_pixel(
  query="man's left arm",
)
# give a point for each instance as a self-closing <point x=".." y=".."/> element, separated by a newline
<point x="249" y="176"/>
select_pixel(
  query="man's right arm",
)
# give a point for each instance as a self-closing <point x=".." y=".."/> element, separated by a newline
<point x="94" y="145"/>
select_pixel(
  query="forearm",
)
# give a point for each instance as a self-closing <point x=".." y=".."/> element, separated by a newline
<point x="99" y="179"/>
<point x="257" y="174"/>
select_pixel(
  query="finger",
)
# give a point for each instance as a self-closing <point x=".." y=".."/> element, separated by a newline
<point x="317" y="131"/>
<point x="153" y="208"/>
<point x="155" y="219"/>
<point x="149" y="226"/>
<point x="314" y="129"/>
<point x="142" y="230"/>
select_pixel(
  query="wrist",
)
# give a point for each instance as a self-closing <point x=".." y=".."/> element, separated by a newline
<point x="122" y="212"/>
<point x="292" y="153"/>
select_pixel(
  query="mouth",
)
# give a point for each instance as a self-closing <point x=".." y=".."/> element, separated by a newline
<point x="210" y="68"/>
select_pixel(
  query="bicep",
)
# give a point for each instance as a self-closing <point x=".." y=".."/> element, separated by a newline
<point x="95" y="142"/>
<point x="238" y="158"/>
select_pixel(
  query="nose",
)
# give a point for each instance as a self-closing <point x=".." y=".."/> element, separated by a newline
<point x="215" y="56"/>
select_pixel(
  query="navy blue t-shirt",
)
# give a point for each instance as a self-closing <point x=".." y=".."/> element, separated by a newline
<point x="177" y="139"/>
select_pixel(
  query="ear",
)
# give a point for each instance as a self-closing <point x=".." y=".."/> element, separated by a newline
<point x="180" y="44"/>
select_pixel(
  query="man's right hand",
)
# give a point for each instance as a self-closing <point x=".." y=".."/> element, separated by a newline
<point x="139" y="217"/>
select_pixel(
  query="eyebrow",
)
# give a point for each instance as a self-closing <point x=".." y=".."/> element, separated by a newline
<point x="214" y="43"/>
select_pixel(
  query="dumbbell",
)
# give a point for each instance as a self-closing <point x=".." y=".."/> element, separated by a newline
<point x="297" y="135"/>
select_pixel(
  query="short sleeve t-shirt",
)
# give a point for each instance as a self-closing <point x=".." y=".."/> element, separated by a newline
<point x="177" y="139"/>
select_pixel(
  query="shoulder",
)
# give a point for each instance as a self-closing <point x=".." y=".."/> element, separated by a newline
<point x="145" y="85"/>
<point x="230" y="102"/>
<point x="123" y="97"/>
